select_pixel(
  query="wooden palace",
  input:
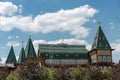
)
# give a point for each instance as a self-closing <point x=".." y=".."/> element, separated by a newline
<point x="67" y="55"/>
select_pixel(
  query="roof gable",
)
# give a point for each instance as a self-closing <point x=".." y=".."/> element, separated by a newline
<point x="11" y="56"/>
<point x="100" y="40"/>
<point x="29" y="50"/>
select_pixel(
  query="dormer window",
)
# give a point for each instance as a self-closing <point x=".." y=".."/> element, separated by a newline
<point x="66" y="55"/>
<point x="100" y="44"/>
<point x="57" y="55"/>
<point x="76" y="55"/>
<point x="103" y="37"/>
<point x="106" y="45"/>
<point x="46" y="55"/>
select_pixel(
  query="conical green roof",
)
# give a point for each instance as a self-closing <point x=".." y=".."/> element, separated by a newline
<point x="11" y="56"/>
<point x="29" y="50"/>
<point x="22" y="56"/>
<point x="100" y="40"/>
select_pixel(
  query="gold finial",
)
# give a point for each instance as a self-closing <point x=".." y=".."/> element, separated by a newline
<point x="99" y="23"/>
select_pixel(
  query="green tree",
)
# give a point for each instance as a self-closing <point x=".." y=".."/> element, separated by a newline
<point x="78" y="73"/>
<point x="1" y="78"/>
<point x="62" y="73"/>
<point x="13" y="75"/>
<point x="51" y="73"/>
<point x="105" y="74"/>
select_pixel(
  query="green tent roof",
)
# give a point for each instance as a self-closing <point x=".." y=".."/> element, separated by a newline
<point x="100" y="40"/>
<point x="22" y="56"/>
<point x="29" y="50"/>
<point x="63" y="51"/>
<point x="11" y="56"/>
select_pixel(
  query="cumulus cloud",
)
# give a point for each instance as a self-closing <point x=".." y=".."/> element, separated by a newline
<point x="20" y="9"/>
<point x="3" y="59"/>
<point x="112" y="25"/>
<point x="71" y="20"/>
<point x="13" y="37"/>
<point x="94" y="21"/>
<point x="8" y="8"/>
<point x="71" y="41"/>
<point x="16" y="37"/>
<point x="9" y="37"/>
<point x="116" y="45"/>
<point x="13" y="43"/>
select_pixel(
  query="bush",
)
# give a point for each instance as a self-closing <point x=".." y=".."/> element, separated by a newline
<point x="33" y="71"/>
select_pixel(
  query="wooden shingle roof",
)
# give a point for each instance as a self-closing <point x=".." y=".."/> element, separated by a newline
<point x="100" y="40"/>
<point x="29" y="50"/>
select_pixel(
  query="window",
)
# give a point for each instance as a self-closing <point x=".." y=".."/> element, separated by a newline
<point x="106" y="45"/>
<point x="103" y="37"/>
<point x="94" y="60"/>
<point x="104" y="52"/>
<point x="46" y="54"/>
<point x="100" y="44"/>
<point x="104" y="59"/>
<point x="108" y="59"/>
<point x="56" y="55"/>
<point x="99" y="59"/>
<point x="99" y="38"/>
<point x="76" y="55"/>
<point x="66" y="55"/>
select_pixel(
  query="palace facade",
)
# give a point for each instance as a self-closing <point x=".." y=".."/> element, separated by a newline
<point x="67" y="55"/>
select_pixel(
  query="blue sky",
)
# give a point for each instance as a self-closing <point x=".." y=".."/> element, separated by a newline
<point x="54" y="21"/>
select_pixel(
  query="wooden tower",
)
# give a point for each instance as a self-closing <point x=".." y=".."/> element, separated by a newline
<point x="101" y="52"/>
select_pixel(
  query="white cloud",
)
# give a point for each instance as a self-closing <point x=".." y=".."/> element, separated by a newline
<point x="94" y="21"/>
<point x="8" y="8"/>
<point x="3" y="59"/>
<point x="116" y="53"/>
<point x="116" y="46"/>
<point x="20" y="9"/>
<point x="13" y="43"/>
<point x="112" y="25"/>
<point x="16" y="37"/>
<point x="9" y="37"/>
<point x="13" y="37"/>
<point x="71" y="20"/>
<point x="70" y="41"/>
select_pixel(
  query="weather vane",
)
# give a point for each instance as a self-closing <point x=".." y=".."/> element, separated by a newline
<point x="99" y="23"/>
<point x="30" y="34"/>
<point x="12" y="44"/>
